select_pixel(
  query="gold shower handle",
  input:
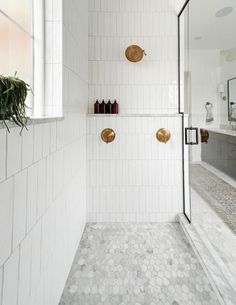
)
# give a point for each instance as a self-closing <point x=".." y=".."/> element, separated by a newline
<point x="108" y="135"/>
<point x="163" y="135"/>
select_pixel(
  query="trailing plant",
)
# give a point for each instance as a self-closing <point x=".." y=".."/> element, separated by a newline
<point x="13" y="93"/>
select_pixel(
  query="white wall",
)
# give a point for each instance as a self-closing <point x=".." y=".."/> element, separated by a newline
<point x="149" y="86"/>
<point x="204" y="68"/>
<point x="43" y="184"/>
<point x="134" y="178"/>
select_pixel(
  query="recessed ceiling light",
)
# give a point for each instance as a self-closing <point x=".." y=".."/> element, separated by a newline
<point x="198" y="38"/>
<point x="225" y="11"/>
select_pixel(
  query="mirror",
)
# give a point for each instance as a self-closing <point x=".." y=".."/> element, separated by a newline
<point x="232" y="98"/>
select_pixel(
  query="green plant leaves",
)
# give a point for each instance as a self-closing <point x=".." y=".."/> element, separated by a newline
<point x="13" y="93"/>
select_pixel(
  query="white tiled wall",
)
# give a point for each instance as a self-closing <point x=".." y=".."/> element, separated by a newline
<point x="43" y="183"/>
<point x="134" y="178"/>
<point x="149" y="86"/>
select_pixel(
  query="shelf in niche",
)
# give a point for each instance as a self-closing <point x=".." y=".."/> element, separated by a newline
<point x="134" y="115"/>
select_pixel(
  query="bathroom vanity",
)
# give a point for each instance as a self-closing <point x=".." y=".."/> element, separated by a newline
<point x="220" y="150"/>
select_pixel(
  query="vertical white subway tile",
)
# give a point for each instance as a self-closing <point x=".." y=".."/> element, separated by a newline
<point x="41" y="187"/>
<point x="46" y="139"/>
<point x="27" y="147"/>
<point x="57" y="43"/>
<point x="13" y="151"/>
<point x="57" y="10"/>
<point x="36" y="258"/>
<point x="49" y="42"/>
<point x="53" y="136"/>
<point x="49" y="180"/>
<point x="10" y="284"/>
<point x="38" y="142"/>
<point x="6" y="212"/>
<point x="20" y="201"/>
<point x="24" y="271"/>
<point x="3" y="152"/>
<point x="49" y="10"/>
<point x="32" y="195"/>
<point x="57" y="173"/>
<point x="57" y="84"/>
<point x="1" y="282"/>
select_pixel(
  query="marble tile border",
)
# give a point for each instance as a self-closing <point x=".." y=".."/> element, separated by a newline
<point x="225" y="293"/>
<point x="218" y="173"/>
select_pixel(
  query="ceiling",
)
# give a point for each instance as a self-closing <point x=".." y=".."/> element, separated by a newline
<point x="206" y="31"/>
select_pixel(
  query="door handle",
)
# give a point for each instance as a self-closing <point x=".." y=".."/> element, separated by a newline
<point x="189" y="131"/>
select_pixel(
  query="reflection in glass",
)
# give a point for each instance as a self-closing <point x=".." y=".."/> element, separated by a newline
<point x="207" y="63"/>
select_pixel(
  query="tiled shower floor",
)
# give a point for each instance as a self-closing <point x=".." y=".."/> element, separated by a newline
<point x="136" y="264"/>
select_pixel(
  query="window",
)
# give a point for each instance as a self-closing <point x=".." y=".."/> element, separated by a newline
<point x="16" y="36"/>
<point x="38" y="105"/>
<point x="28" y="42"/>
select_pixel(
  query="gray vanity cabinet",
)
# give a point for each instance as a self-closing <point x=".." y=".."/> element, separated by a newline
<point x="220" y="152"/>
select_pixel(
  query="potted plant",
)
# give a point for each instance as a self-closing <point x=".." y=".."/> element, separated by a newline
<point x="13" y="93"/>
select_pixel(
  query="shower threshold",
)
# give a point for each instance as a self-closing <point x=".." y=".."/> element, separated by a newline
<point x="217" y="273"/>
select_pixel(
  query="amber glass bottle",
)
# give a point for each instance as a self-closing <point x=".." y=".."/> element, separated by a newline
<point x="115" y="107"/>
<point x="96" y="107"/>
<point x="102" y="107"/>
<point x="108" y="107"/>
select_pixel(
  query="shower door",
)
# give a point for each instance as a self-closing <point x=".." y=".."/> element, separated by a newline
<point x="184" y="105"/>
<point x="207" y="102"/>
<point x="207" y="93"/>
<point x="191" y="102"/>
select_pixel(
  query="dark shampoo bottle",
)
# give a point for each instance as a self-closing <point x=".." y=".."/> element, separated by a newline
<point x="102" y="107"/>
<point x="108" y="107"/>
<point x="115" y="107"/>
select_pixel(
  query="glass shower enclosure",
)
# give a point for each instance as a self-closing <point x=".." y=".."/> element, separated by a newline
<point x="207" y="101"/>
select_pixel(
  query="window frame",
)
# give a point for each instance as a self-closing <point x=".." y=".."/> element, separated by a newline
<point x="38" y="28"/>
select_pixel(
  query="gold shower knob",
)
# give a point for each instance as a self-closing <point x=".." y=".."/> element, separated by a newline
<point x="163" y="135"/>
<point x="134" y="53"/>
<point x="108" y="135"/>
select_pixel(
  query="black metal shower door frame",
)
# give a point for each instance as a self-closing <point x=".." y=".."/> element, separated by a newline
<point x="182" y="115"/>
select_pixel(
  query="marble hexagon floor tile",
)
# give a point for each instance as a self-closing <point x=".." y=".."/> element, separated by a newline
<point x="136" y="264"/>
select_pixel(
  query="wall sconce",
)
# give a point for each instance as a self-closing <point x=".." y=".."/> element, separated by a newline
<point x="163" y="135"/>
<point x="108" y="135"/>
<point x="221" y="91"/>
